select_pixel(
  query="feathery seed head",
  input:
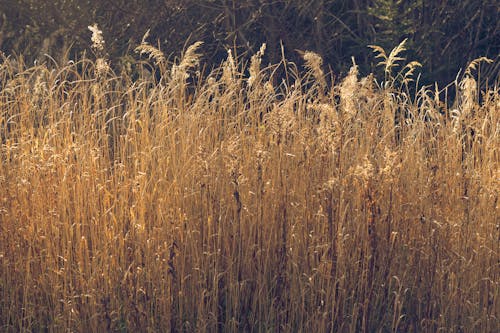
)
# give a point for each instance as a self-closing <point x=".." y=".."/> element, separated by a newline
<point x="348" y="92"/>
<point x="314" y="62"/>
<point x="255" y="62"/>
<point x="364" y="171"/>
<point x="97" y="39"/>
<point x="101" y="66"/>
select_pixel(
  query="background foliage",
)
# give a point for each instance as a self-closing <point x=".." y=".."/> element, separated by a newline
<point x="443" y="35"/>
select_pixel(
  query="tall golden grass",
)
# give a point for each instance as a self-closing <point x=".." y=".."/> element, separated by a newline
<point x="235" y="202"/>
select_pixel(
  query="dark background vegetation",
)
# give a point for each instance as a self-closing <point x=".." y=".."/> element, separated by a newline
<point x="444" y="35"/>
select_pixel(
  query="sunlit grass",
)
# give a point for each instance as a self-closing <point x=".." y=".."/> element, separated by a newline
<point x="239" y="204"/>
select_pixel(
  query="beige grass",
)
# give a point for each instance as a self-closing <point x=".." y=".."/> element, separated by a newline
<point x="243" y="206"/>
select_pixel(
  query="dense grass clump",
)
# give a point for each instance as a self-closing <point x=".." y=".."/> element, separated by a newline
<point x="235" y="202"/>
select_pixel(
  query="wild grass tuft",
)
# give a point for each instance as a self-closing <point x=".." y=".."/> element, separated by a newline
<point x="229" y="203"/>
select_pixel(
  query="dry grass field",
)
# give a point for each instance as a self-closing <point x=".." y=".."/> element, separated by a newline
<point x="237" y="202"/>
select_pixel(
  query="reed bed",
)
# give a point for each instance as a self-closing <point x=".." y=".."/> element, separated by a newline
<point x="238" y="201"/>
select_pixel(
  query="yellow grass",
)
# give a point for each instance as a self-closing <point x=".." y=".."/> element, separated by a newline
<point x="130" y="205"/>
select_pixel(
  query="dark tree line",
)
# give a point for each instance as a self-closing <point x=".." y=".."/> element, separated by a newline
<point x="444" y="35"/>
